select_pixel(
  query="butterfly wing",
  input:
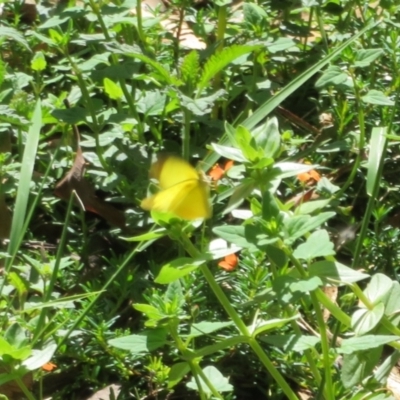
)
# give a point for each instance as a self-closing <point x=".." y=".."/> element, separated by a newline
<point x="171" y="170"/>
<point x="187" y="200"/>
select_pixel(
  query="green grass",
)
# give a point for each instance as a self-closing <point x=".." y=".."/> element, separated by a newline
<point x="112" y="294"/>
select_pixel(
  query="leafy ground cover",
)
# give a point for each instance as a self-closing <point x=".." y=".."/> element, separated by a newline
<point x="289" y="290"/>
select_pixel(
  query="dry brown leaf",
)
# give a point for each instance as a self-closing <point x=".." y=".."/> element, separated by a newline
<point x="332" y="293"/>
<point x="74" y="180"/>
<point x="393" y="382"/>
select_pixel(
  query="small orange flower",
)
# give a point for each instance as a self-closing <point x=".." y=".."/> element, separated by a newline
<point x="229" y="263"/>
<point x="48" y="367"/>
<point x="217" y="172"/>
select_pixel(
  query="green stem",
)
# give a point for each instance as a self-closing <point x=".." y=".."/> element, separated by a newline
<point x="328" y="384"/>
<point x="222" y="16"/>
<point x="24" y="389"/>
<point x="189" y="247"/>
<point x="186" y="134"/>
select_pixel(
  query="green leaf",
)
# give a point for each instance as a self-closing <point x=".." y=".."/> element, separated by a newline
<point x="151" y="102"/>
<point x="150" y="311"/>
<point x="246" y="143"/>
<point x="230" y="153"/>
<point x="333" y="271"/>
<point x="356" y="367"/>
<point x="177" y="269"/>
<point x="112" y="89"/>
<point x="38" y="62"/>
<point x="13" y="34"/>
<point x="288" y="169"/>
<point x="379" y="288"/>
<point x="311" y="206"/>
<point x="280" y="44"/>
<point x="217" y="62"/>
<point x="364" y="320"/>
<point x="153" y="235"/>
<point x="365" y="57"/>
<point x="234" y="234"/>
<point x="289" y="343"/>
<point x="218" y="381"/>
<point x="306" y="285"/>
<point x="333" y="76"/>
<point x="205" y="328"/>
<point x="362" y="343"/>
<point x="253" y="14"/>
<point x="268" y="138"/>
<point x="270" y="209"/>
<point x="318" y="244"/>
<point x="71" y="115"/>
<point x="392" y="303"/>
<point x="201" y="106"/>
<point x="376" y="154"/>
<point x="146" y="342"/>
<point x="378" y="98"/>
<point x="177" y="373"/>
<point x="299" y="225"/>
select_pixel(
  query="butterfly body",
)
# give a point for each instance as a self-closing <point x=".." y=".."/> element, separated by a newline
<point x="183" y="191"/>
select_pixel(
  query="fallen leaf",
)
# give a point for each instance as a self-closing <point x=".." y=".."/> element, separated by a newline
<point x="74" y="180"/>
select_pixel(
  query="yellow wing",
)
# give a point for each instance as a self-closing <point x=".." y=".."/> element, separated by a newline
<point x="171" y="170"/>
<point x="184" y="193"/>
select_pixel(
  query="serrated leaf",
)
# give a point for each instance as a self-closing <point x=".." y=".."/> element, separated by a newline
<point x="190" y="69"/>
<point x="217" y="62"/>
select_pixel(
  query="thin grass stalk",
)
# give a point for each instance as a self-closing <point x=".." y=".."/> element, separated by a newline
<point x="40" y="326"/>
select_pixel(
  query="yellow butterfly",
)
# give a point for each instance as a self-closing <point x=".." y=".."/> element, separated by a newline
<point x="183" y="191"/>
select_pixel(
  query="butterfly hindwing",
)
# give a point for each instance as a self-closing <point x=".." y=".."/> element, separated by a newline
<point x="183" y="192"/>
